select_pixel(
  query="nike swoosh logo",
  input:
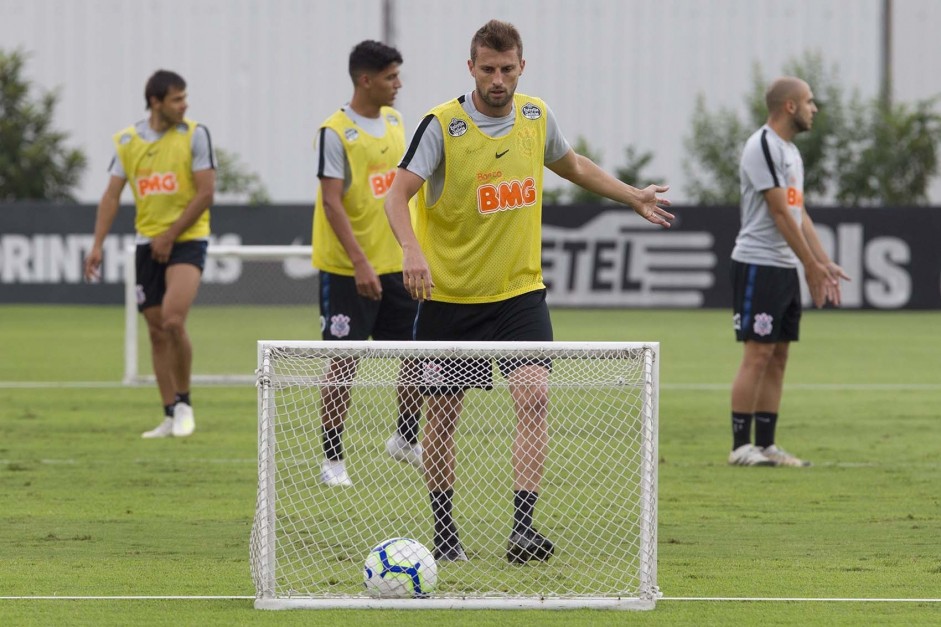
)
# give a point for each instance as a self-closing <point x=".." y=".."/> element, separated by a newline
<point x="500" y="154"/>
<point x="151" y="153"/>
<point x="384" y="149"/>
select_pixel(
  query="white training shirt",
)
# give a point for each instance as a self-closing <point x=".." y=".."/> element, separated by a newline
<point x="425" y="154"/>
<point x="330" y="151"/>
<point x="767" y="162"/>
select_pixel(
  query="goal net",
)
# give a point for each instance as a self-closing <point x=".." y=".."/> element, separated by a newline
<point x="597" y="498"/>
<point x="246" y="293"/>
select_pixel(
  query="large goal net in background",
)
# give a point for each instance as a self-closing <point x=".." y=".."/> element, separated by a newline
<point x="246" y="293"/>
<point x="598" y="499"/>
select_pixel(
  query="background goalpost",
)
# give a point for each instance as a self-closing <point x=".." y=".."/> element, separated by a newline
<point x="245" y="293"/>
<point x="598" y="498"/>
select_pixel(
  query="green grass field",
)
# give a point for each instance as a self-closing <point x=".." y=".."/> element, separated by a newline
<point x="90" y="509"/>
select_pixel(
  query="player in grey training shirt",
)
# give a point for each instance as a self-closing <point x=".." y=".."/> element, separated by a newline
<point x="775" y="235"/>
<point x="767" y="162"/>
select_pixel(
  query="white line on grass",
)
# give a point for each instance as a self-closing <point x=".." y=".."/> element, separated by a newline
<point x="155" y="460"/>
<point x="692" y="387"/>
<point x="889" y="387"/>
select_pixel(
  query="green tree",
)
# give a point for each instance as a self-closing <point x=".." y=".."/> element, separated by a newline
<point x="858" y="152"/>
<point x="715" y="143"/>
<point x="235" y="180"/>
<point x="714" y="148"/>
<point x="35" y="164"/>
<point x="890" y="154"/>
<point x="632" y="172"/>
<point x="579" y="195"/>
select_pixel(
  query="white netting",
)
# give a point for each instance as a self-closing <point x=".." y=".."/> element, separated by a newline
<point x="597" y="496"/>
<point x="245" y="292"/>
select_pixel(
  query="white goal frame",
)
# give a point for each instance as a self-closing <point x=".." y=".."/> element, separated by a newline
<point x="132" y="375"/>
<point x="265" y="540"/>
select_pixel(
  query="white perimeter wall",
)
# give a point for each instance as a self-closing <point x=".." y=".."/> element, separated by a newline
<point x="263" y="74"/>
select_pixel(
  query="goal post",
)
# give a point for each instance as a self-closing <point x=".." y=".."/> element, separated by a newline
<point x="597" y="498"/>
<point x="245" y="292"/>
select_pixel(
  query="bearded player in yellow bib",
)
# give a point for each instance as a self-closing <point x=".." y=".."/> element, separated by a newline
<point x="169" y="163"/>
<point x="473" y="260"/>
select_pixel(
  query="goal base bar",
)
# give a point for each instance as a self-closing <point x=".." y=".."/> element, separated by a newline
<point x="456" y="604"/>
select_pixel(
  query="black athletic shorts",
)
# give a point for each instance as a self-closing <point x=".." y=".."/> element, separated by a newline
<point x="345" y="315"/>
<point x="766" y="303"/>
<point x="152" y="276"/>
<point x="523" y="318"/>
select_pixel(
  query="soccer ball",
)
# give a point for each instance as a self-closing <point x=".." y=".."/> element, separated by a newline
<point x="400" y="568"/>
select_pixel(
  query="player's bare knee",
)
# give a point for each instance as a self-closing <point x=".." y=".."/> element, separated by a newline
<point x="174" y="326"/>
<point x="158" y="337"/>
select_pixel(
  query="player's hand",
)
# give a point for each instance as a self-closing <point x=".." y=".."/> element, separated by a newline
<point x="834" y="274"/>
<point x="648" y="205"/>
<point x="416" y="275"/>
<point x="93" y="265"/>
<point x="367" y="281"/>
<point x="160" y="247"/>
<point x="823" y="287"/>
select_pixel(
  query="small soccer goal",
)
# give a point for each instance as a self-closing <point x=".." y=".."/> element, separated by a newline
<point x="597" y="498"/>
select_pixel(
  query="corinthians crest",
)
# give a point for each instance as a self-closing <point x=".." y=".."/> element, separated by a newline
<point x="531" y="111"/>
<point x="457" y="127"/>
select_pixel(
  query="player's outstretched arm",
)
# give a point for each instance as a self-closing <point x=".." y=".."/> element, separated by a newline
<point x="585" y="173"/>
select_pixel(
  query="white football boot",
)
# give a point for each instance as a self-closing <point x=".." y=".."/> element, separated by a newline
<point x="780" y="457"/>
<point x="400" y="450"/>
<point x="183" y="421"/>
<point x="749" y="455"/>
<point x="163" y="430"/>
<point x="334" y="473"/>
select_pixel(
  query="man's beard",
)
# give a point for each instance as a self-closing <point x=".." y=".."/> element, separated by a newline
<point x="490" y="102"/>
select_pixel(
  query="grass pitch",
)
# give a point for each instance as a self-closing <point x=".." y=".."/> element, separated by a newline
<point x="87" y="508"/>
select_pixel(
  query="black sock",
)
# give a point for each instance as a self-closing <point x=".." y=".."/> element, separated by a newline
<point x="183" y="397"/>
<point x="741" y="429"/>
<point x="445" y="529"/>
<point x="408" y="427"/>
<point x="333" y="444"/>
<point x="168" y="410"/>
<point x="765" y="422"/>
<point x="524" y="502"/>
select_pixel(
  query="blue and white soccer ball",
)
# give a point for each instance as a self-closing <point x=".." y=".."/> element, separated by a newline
<point x="400" y="568"/>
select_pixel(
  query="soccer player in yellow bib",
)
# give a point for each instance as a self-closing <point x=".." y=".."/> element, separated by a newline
<point x="169" y="162"/>
<point x="473" y="260"/>
<point x="360" y="263"/>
